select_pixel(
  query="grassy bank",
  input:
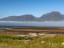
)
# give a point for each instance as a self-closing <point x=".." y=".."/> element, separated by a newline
<point x="13" y="41"/>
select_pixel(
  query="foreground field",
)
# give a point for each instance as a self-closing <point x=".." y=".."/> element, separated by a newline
<point x="14" y="41"/>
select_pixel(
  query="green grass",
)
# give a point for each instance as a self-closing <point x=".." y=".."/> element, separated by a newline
<point x="13" y="41"/>
<point x="13" y="37"/>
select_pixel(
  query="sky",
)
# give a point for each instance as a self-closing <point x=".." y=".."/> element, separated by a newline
<point x="34" y="7"/>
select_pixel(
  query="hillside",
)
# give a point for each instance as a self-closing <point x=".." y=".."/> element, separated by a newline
<point x="52" y="16"/>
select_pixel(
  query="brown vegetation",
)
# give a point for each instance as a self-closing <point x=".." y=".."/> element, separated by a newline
<point x="15" y="30"/>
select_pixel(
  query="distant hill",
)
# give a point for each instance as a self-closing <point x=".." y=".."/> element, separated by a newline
<point x="19" y="18"/>
<point x="52" y="16"/>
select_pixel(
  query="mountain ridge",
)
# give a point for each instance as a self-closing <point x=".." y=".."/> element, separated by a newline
<point x="52" y="16"/>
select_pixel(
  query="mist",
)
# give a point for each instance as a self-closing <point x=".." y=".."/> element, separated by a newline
<point x="33" y="23"/>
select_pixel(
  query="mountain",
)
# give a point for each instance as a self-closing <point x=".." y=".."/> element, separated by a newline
<point x="52" y="16"/>
<point x="18" y="18"/>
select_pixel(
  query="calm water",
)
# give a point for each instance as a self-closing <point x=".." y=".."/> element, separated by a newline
<point x="40" y="24"/>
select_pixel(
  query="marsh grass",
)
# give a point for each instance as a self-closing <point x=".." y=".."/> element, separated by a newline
<point x="13" y="41"/>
